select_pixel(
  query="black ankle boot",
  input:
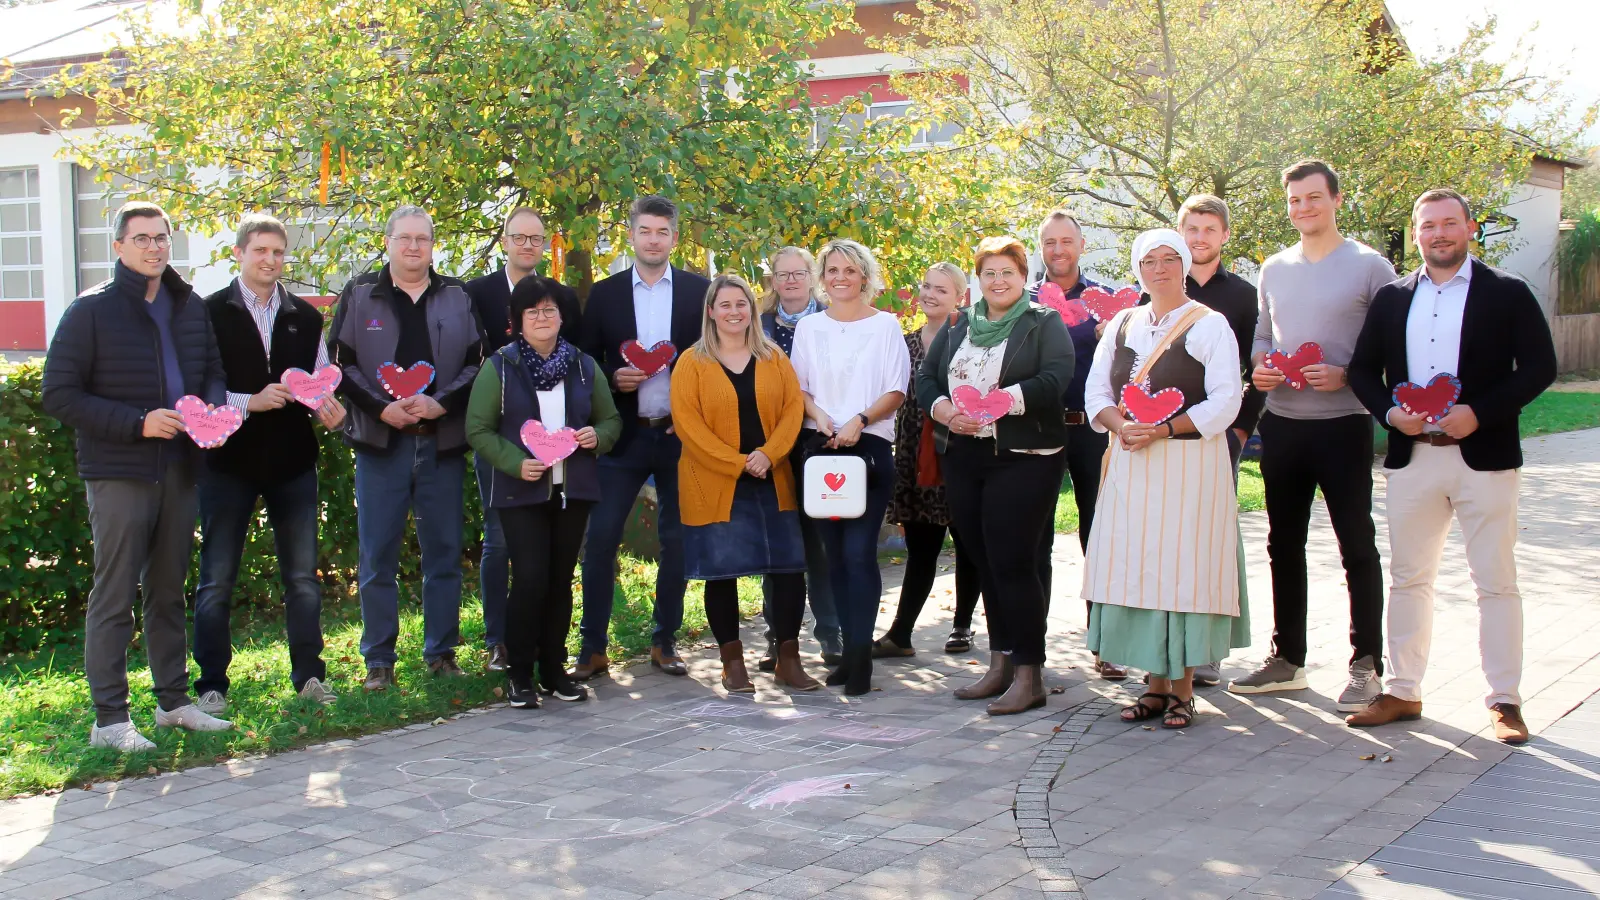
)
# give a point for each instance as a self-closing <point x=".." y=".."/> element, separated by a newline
<point x="859" y="680"/>
<point x="840" y="675"/>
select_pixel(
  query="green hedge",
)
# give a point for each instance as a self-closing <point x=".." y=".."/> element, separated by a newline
<point x="44" y="525"/>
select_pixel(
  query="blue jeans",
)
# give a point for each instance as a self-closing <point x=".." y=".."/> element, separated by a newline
<point x="494" y="567"/>
<point x="410" y="478"/>
<point x="851" y="547"/>
<point x="651" y="452"/>
<point x="819" y="590"/>
<point x="227" y="504"/>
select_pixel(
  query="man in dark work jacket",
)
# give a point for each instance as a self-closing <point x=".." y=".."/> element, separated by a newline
<point x="1455" y="316"/>
<point x="410" y="448"/>
<point x="523" y="240"/>
<point x="122" y="356"/>
<point x="263" y="331"/>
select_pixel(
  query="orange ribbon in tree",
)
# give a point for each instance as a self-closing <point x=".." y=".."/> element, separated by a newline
<point x="558" y="256"/>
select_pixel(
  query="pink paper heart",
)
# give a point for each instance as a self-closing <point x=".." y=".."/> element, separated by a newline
<point x="985" y="408"/>
<point x="1103" y="304"/>
<point x="311" y="389"/>
<point x="1291" y="364"/>
<point x="402" y="382"/>
<point x="548" y="447"/>
<point x="208" y="427"/>
<point x="649" y="360"/>
<point x="1151" y="409"/>
<point x="1073" y="312"/>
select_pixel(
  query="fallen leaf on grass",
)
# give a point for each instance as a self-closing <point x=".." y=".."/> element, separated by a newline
<point x="302" y="729"/>
<point x="249" y="734"/>
<point x="499" y="692"/>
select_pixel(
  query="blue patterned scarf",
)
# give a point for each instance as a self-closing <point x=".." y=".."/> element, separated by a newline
<point x="788" y="321"/>
<point x="546" y="372"/>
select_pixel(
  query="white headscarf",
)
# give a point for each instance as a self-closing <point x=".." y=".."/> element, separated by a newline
<point x="1159" y="237"/>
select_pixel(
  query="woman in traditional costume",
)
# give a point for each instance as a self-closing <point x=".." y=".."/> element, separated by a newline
<point x="1164" y="563"/>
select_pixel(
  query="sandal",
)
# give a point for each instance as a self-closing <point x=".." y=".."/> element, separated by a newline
<point x="960" y="641"/>
<point x="1182" y="710"/>
<point x="1141" y="711"/>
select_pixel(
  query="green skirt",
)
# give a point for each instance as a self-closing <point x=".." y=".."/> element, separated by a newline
<point x="1165" y="643"/>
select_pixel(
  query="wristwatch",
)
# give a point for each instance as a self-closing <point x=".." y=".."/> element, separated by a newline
<point x="864" y="420"/>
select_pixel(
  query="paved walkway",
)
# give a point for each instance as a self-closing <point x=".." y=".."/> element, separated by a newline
<point x="666" y="788"/>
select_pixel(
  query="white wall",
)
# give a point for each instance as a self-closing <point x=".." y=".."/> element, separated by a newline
<point x="1537" y="209"/>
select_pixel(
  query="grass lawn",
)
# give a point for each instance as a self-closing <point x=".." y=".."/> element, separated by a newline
<point x="45" y="712"/>
<point x="1555" y="412"/>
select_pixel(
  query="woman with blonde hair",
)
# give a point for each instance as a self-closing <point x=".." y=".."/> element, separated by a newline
<point x="737" y="407"/>
<point x="917" y="504"/>
<point x="853" y="366"/>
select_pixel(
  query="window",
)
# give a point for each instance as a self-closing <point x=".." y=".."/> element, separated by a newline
<point x="96" y="221"/>
<point x="21" y="238"/>
<point x="851" y="123"/>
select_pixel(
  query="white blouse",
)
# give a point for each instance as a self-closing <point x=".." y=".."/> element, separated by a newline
<point x="846" y="366"/>
<point x="553" y="416"/>
<point x="1210" y="341"/>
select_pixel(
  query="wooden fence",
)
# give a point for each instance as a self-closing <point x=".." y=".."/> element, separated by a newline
<point x="1577" y="341"/>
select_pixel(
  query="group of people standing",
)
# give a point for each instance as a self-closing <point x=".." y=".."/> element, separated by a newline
<point x="720" y="396"/>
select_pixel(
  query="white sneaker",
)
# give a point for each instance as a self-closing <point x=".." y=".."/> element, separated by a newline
<point x="1363" y="688"/>
<point x="189" y="716"/>
<point x="314" y="689"/>
<point x="121" y="737"/>
<point x="212" y="703"/>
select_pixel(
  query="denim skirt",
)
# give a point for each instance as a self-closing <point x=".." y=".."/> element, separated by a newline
<point x="757" y="539"/>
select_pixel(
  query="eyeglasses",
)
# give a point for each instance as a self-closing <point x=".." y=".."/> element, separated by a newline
<point x="791" y="276"/>
<point x="146" y="241"/>
<point x="1157" y="262"/>
<point x="998" y="273"/>
<point x="543" y="312"/>
<point x="527" y="240"/>
<point x="413" y="240"/>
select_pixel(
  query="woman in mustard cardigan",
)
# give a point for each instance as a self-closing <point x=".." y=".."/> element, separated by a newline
<point x="736" y="406"/>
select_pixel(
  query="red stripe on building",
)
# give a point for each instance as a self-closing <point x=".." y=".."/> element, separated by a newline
<point x="22" y="325"/>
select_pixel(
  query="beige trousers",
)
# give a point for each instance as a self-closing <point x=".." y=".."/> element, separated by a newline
<point x="1422" y="496"/>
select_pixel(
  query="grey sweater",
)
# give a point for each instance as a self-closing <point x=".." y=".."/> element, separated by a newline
<point x="1324" y="301"/>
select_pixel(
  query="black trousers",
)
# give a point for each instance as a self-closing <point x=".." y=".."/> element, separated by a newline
<point x="1298" y="456"/>
<point x="924" y="542"/>
<point x="543" y="541"/>
<point x="1084" y="450"/>
<point x="786" y="606"/>
<point x="1000" y="502"/>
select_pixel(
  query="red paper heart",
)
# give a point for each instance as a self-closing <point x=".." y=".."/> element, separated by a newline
<point x="1073" y="312"/>
<point x="311" y="389"/>
<point x="1309" y="354"/>
<point x="1151" y="409"/>
<point x="208" y="427"/>
<point x="649" y="361"/>
<point x="402" y="383"/>
<point x="834" y="480"/>
<point x="1102" y="304"/>
<point x="548" y="447"/>
<point x="975" y="404"/>
<point x="1432" y="402"/>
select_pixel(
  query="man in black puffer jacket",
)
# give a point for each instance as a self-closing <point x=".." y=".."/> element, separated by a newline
<point x="122" y="355"/>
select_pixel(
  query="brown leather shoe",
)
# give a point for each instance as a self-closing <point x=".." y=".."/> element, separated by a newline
<point x="789" y="671"/>
<point x="589" y="667"/>
<point x="379" y="678"/>
<point x="667" y="660"/>
<point x="1110" y="671"/>
<point x="1508" y="724"/>
<point x="445" y="667"/>
<point x="499" y="660"/>
<point x="1385" y="708"/>
<point x="735" y="678"/>
<point x="1026" y="692"/>
<point x="993" y="683"/>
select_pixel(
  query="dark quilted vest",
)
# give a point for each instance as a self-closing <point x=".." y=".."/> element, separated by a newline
<point x="1176" y="368"/>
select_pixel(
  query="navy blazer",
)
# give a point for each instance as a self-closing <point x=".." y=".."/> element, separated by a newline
<point x="491" y="297"/>
<point x="1507" y="359"/>
<point x="608" y="323"/>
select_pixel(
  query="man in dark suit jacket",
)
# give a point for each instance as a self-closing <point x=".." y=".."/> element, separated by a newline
<point x="1456" y="316"/>
<point x="650" y="302"/>
<point x="523" y="240"/>
<point x="122" y="356"/>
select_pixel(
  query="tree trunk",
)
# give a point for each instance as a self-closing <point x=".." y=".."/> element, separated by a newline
<point x="578" y="261"/>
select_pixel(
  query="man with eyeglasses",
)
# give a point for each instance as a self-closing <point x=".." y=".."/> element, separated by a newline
<point x="523" y="240"/>
<point x="122" y="355"/>
<point x="410" y="445"/>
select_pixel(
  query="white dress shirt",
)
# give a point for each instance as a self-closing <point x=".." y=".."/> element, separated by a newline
<point x="265" y="314"/>
<point x="1433" y="328"/>
<point x="1210" y="341"/>
<point x="979" y="368"/>
<point x="652" y="317"/>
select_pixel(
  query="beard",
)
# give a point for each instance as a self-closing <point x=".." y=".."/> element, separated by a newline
<point x="1199" y="260"/>
<point x="1445" y="257"/>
